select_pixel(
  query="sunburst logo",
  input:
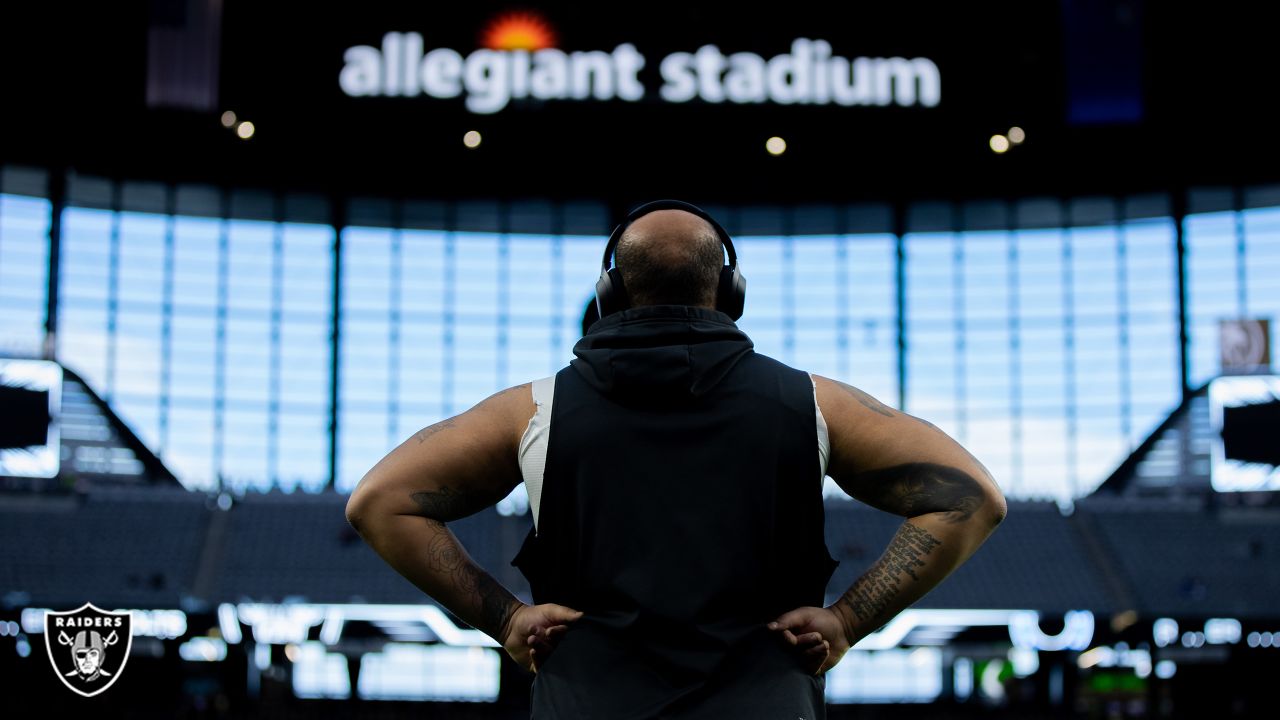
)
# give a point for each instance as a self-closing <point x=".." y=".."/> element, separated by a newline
<point x="518" y="31"/>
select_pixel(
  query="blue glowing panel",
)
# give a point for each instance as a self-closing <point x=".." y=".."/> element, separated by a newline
<point x="320" y="674"/>
<point x="1214" y="266"/>
<point x="766" y="263"/>
<point x="83" y="289"/>
<point x="24" y="263"/>
<point x="886" y="676"/>
<point x="1243" y="414"/>
<point x="1262" y="269"/>
<point x="405" y="671"/>
<point x="189" y="449"/>
<point x="32" y="390"/>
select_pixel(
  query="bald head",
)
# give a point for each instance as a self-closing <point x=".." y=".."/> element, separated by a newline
<point x="670" y="257"/>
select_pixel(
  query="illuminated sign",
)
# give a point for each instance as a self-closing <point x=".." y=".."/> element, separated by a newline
<point x="488" y="79"/>
<point x="1243" y="413"/>
<point x="31" y="394"/>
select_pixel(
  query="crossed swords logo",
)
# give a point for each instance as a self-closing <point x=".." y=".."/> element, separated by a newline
<point x="97" y="641"/>
<point x="88" y="650"/>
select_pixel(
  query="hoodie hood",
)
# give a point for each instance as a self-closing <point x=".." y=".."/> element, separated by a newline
<point x="659" y="353"/>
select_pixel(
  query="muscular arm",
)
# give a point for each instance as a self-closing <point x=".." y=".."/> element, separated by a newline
<point x="443" y="473"/>
<point x="904" y="465"/>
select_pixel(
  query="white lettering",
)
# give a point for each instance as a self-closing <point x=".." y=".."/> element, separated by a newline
<point x="491" y="79"/>
<point x="592" y="75"/>
<point x="550" y="77"/>
<point x="519" y="74"/>
<point x="809" y="74"/>
<point x="896" y="81"/>
<point x="486" y="79"/>
<point x="411" y="60"/>
<point x="789" y="74"/>
<point x="628" y="63"/>
<point x="74" y="622"/>
<point x="744" y="83"/>
<point x="821" y="80"/>
<point x="710" y="68"/>
<point x="391" y="64"/>
<point x="681" y="83"/>
<point x="361" y="75"/>
<point x="442" y="73"/>
<point x="850" y="89"/>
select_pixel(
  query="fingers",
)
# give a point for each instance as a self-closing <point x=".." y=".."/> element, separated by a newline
<point x="816" y="657"/>
<point x="560" y="613"/>
<point x="819" y="650"/>
<point x="809" y="639"/>
<point x="542" y="642"/>
<point x="551" y="634"/>
<point x="804" y="640"/>
<point x="540" y="645"/>
<point x="794" y="618"/>
<point x="787" y="620"/>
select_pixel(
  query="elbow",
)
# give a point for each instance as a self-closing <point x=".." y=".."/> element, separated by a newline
<point x="358" y="510"/>
<point x="355" y="514"/>
<point x="996" y="508"/>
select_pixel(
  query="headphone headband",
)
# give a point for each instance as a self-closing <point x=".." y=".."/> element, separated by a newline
<point x="731" y="290"/>
<point x="616" y="236"/>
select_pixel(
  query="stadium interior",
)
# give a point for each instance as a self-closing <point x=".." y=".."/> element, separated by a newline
<point x="245" y="251"/>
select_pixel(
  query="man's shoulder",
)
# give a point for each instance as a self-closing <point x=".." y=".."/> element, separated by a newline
<point x="510" y="408"/>
<point x="769" y="363"/>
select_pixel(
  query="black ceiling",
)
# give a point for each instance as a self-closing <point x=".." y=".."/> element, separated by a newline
<point x="1205" y="79"/>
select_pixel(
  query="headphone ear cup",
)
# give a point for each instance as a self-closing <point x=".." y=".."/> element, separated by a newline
<point x="731" y="295"/>
<point x="611" y="295"/>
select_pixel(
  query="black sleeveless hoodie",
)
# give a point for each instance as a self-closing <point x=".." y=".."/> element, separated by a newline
<point x="681" y="510"/>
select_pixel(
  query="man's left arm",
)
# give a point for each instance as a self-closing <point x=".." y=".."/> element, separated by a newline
<point x="443" y="473"/>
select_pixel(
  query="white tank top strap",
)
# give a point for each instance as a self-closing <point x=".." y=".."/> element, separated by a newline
<point x="824" y="440"/>
<point x="533" y="444"/>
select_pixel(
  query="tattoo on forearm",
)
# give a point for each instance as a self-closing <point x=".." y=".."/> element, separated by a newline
<point x="495" y="602"/>
<point x="918" y="488"/>
<point x="873" y="595"/>
<point x="447" y="557"/>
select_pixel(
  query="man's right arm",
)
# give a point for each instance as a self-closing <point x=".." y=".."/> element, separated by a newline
<point x="906" y="466"/>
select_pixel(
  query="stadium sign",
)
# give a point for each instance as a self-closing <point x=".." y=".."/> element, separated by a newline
<point x="490" y="78"/>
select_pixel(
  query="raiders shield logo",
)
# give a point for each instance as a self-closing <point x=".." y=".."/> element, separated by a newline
<point x="88" y="647"/>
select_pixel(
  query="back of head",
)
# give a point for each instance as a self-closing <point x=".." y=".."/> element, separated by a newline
<point x="670" y="257"/>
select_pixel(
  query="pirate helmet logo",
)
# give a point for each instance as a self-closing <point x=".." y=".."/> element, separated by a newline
<point x="88" y="647"/>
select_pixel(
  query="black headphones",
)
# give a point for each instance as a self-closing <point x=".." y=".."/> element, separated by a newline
<point x="611" y="296"/>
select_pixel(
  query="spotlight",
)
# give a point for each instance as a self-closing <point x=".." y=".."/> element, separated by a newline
<point x="775" y="145"/>
<point x="471" y="139"/>
<point x="245" y="130"/>
<point x="999" y="144"/>
<point x="228" y="119"/>
<point x="1017" y="135"/>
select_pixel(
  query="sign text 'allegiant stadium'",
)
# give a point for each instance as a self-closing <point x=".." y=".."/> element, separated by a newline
<point x="490" y="79"/>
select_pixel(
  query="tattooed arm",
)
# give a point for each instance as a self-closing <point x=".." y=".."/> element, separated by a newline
<point x="903" y="465"/>
<point x="443" y="473"/>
